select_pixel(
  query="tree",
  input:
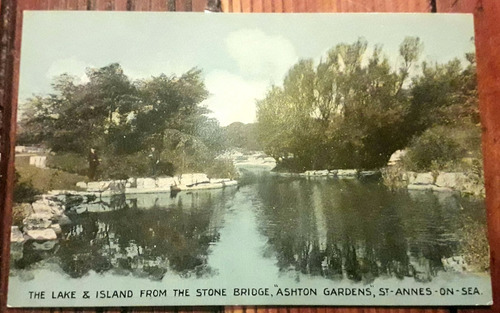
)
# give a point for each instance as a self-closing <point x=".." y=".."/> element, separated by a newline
<point x="118" y="117"/>
<point x="347" y="112"/>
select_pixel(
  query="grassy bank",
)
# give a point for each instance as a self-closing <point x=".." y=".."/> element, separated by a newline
<point x="45" y="179"/>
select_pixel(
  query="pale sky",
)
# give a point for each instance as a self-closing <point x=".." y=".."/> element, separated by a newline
<point x="241" y="55"/>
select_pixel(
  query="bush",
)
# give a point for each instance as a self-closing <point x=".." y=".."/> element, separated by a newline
<point x="24" y="191"/>
<point x="222" y="169"/>
<point x="474" y="245"/>
<point x="68" y="162"/>
<point x="124" y="166"/>
<point x="434" y="149"/>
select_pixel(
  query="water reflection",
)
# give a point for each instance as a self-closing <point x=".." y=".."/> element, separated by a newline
<point x="358" y="230"/>
<point x="336" y="229"/>
<point x="146" y="235"/>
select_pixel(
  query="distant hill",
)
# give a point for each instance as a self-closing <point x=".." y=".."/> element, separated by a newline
<point x="242" y="136"/>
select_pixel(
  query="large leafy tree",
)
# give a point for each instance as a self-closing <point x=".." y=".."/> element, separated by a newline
<point x="123" y="118"/>
<point x="349" y="111"/>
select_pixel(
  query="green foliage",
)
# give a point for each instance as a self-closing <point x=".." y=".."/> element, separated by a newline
<point x="474" y="245"/>
<point x="123" y="120"/>
<point x="433" y="149"/>
<point x="24" y="191"/>
<point x="347" y="112"/>
<point x="244" y="136"/>
<point x="68" y="162"/>
<point x="222" y="169"/>
<point x="45" y="179"/>
<point x="354" y="110"/>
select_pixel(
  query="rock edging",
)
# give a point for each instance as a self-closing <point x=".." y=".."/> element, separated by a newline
<point x="462" y="182"/>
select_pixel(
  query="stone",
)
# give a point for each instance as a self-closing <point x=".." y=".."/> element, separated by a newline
<point x="321" y="173"/>
<point x="441" y="189"/>
<point x="16" y="251"/>
<point x="46" y="206"/>
<point x="98" y="186"/>
<point x="166" y="182"/>
<point x="44" y="246"/>
<point x="396" y="157"/>
<point x="450" y="180"/>
<point x="424" y="179"/>
<point x="117" y="186"/>
<point x="194" y="178"/>
<point x="455" y="263"/>
<point x="146" y="183"/>
<point x="64" y="220"/>
<point x="351" y="173"/>
<point x="38" y="221"/>
<point x="56" y="228"/>
<point x="219" y="180"/>
<point x="81" y="184"/>
<point x="419" y="187"/>
<point x="369" y="174"/>
<point x="24" y="209"/>
<point x="16" y="235"/>
<point x="42" y="234"/>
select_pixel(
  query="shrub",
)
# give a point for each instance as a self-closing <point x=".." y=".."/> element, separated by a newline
<point x="432" y="150"/>
<point x="68" y="162"/>
<point x="124" y="166"/>
<point x="474" y="245"/>
<point x="222" y="169"/>
<point x="24" y="191"/>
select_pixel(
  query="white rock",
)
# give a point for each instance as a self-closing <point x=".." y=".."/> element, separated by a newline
<point x="194" y="178"/>
<point x="441" y="189"/>
<point x="409" y="177"/>
<point x="230" y="183"/>
<point x="219" y="180"/>
<point x="396" y="157"/>
<point x="450" y="180"/>
<point x="97" y="186"/>
<point x="165" y="182"/>
<point x="42" y="234"/>
<point x="424" y="179"/>
<point x="38" y="221"/>
<point x="81" y="184"/>
<point x="56" y="228"/>
<point x="16" y="235"/>
<point x="44" y="246"/>
<point x="419" y="187"/>
<point x="146" y="183"/>
<point x="321" y="173"/>
<point x="341" y="173"/>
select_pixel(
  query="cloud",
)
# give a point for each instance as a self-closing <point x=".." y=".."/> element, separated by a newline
<point x="260" y="56"/>
<point x="156" y="65"/>
<point x="232" y="98"/>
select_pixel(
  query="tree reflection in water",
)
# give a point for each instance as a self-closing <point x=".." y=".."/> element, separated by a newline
<point x="145" y="237"/>
<point x="335" y="229"/>
<point x="360" y="230"/>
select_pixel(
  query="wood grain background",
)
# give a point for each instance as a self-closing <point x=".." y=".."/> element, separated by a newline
<point x="487" y="37"/>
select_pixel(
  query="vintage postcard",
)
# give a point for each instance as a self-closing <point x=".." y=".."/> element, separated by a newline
<point x="248" y="159"/>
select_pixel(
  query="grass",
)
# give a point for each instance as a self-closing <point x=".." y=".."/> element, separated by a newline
<point x="45" y="179"/>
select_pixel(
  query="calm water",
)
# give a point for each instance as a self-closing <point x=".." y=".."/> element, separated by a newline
<point x="295" y="227"/>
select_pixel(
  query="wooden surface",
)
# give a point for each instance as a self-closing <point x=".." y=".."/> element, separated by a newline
<point x="486" y="13"/>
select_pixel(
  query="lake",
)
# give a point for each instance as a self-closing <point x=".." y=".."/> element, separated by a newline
<point x="270" y="231"/>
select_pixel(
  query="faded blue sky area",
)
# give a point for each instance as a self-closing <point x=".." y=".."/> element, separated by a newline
<point x="241" y="55"/>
